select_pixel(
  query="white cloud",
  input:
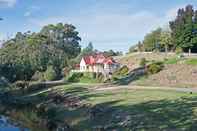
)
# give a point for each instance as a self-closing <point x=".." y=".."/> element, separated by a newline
<point x="102" y="28"/>
<point x="7" y="3"/>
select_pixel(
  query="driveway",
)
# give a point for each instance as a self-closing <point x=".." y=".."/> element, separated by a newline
<point x="189" y="90"/>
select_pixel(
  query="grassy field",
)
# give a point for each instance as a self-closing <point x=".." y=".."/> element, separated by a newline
<point x="178" y="71"/>
<point x="126" y="109"/>
<point x="133" y="60"/>
<point x="191" y="61"/>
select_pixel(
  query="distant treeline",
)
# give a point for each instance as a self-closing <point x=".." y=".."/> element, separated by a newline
<point x="180" y="36"/>
<point x="45" y="55"/>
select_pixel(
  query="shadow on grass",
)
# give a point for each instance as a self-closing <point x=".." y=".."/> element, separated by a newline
<point x="132" y="76"/>
<point x="164" y="114"/>
<point x="179" y="114"/>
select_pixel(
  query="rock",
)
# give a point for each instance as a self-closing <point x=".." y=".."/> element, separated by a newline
<point x="51" y="125"/>
<point x="99" y="128"/>
<point x="64" y="127"/>
<point x="3" y="81"/>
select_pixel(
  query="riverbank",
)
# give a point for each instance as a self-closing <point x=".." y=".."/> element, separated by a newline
<point x="8" y="124"/>
<point x="85" y="107"/>
<point x="34" y="112"/>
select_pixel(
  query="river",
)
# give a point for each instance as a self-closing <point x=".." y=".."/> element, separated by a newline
<point x="8" y="125"/>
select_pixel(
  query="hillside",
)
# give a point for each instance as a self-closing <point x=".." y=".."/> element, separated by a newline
<point x="133" y="60"/>
<point x="176" y="73"/>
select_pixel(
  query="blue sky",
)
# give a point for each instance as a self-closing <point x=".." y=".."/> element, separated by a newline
<point x="109" y="24"/>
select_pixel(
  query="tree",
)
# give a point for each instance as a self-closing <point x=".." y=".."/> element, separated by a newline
<point x="133" y="48"/>
<point x="64" y="37"/>
<point x="151" y="40"/>
<point x="184" y="28"/>
<point x="165" y="39"/>
<point x="28" y="52"/>
<point x="90" y="47"/>
<point x="140" y="46"/>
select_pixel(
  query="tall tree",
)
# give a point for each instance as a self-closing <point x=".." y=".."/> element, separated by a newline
<point x="166" y="40"/>
<point x="184" y="28"/>
<point x="140" y="46"/>
<point x="151" y="40"/>
<point x="29" y="52"/>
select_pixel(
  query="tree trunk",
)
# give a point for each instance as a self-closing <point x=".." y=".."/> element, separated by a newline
<point x="189" y="51"/>
<point x="166" y="49"/>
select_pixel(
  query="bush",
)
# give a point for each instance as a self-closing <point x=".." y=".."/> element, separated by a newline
<point x="86" y="77"/>
<point x="179" y="50"/>
<point x="122" y="71"/>
<point x="75" y="77"/>
<point x="115" y="78"/>
<point x="91" y="75"/>
<point x="50" y="74"/>
<point x="38" y="76"/>
<point x="100" y="77"/>
<point x="3" y="82"/>
<point x="155" y="68"/>
<point x="143" y="62"/>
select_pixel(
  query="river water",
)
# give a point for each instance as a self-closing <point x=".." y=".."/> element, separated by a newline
<point x="7" y="125"/>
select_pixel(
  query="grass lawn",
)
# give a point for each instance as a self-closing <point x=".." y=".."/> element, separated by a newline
<point x="131" y="109"/>
<point x="171" y="61"/>
<point x="191" y="61"/>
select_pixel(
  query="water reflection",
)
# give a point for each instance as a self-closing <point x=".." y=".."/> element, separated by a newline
<point x="8" y="125"/>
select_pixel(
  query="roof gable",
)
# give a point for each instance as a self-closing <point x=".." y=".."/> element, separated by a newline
<point x="98" y="59"/>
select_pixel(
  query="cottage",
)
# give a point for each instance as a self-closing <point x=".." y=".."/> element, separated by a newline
<point x="98" y="63"/>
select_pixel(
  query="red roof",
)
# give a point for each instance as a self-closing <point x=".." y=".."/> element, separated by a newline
<point x="109" y="61"/>
<point x="98" y="59"/>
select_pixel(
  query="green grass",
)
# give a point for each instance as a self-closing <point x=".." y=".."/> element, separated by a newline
<point x="138" y="109"/>
<point x="87" y="77"/>
<point x="126" y="109"/>
<point x="88" y="80"/>
<point x="191" y="61"/>
<point x="171" y="61"/>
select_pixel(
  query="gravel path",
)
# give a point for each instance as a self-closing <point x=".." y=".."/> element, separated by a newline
<point x="189" y="90"/>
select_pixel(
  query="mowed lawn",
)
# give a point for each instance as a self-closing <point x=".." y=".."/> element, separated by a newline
<point x="126" y="109"/>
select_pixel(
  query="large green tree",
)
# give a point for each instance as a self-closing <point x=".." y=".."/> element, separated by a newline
<point x="152" y="40"/>
<point x="184" y="29"/>
<point x="166" y="40"/>
<point x="29" y="52"/>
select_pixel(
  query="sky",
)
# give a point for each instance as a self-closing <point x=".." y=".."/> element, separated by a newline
<point x="108" y="24"/>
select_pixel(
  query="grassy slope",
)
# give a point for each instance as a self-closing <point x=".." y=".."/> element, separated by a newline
<point x="133" y="60"/>
<point x="132" y="109"/>
<point x="177" y="73"/>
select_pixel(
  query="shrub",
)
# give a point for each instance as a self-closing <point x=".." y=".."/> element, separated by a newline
<point x="100" y="77"/>
<point x="179" y="50"/>
<point x="91" y="75"/>
<point x="38" y="76"/>
<point x="115" y="78"/>
<point x="21" y="84"/>
<point x="86" y="77"/>
<point x="122" y="71"/>
<point x="50" y="74"/>
<point x="143" y="62"/>
<point x="155" y="67"/>
<point x="75" y="77"/>
<point x="3" y="81"/>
